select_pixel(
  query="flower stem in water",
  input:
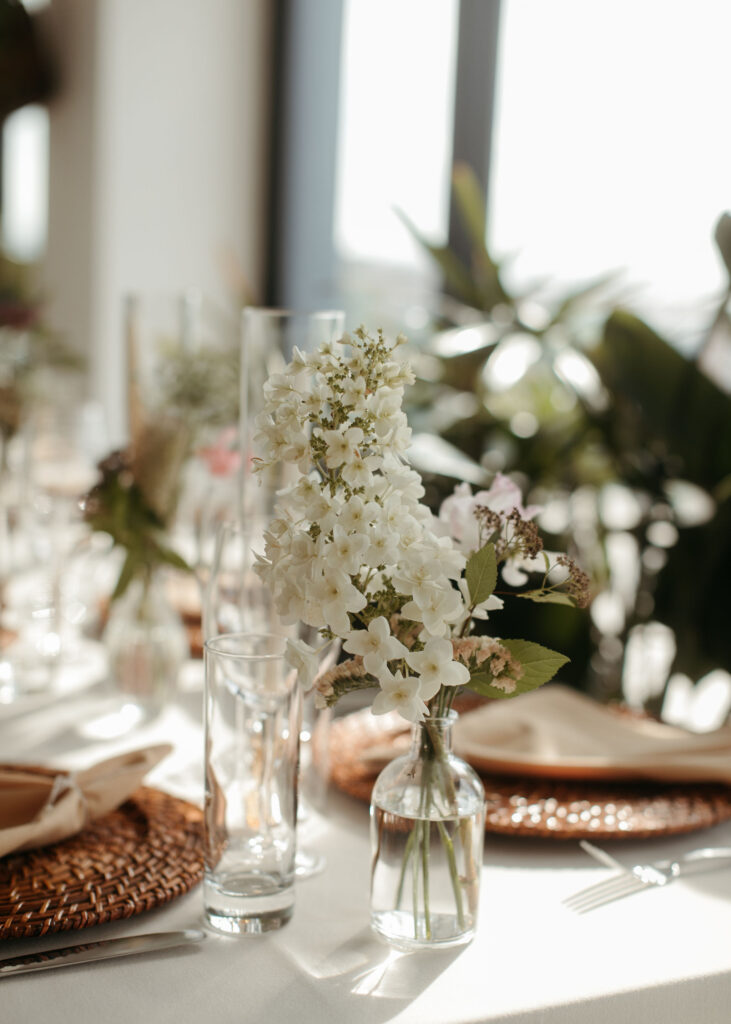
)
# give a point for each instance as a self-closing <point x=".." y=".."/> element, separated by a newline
<point x="426" y="827"/>
<point x="404" y="865"/>
<point x="453" y="872"/>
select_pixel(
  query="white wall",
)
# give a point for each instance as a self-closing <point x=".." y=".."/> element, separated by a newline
<point x="158" y="161"/>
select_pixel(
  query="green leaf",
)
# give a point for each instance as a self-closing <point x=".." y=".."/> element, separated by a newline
<point x="481" y="682"/>
<point x="539" y="665"/>
<point x="589" y="290"/>
<point x="481" y="573"/>
<point x="471" y="206"/>
<point x="548" y="597"/>
<point x="127" y="574"/>
<point x="169" y="557"/>
<point x="457" y="276"/>
<point x="680" y="410"/>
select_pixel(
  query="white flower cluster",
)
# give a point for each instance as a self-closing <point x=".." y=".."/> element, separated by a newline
<point x="351" y="545"/>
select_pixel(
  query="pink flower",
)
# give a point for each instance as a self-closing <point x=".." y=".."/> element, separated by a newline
<point x="457" y="512"/>
<point x="221" y="458"/>
<point x="504" y="496"/>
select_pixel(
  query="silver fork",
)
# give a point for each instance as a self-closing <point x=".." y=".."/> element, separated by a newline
<point x="642" y="876"/>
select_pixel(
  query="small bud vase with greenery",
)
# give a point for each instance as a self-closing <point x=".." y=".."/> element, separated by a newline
<point x="134" y="503"/>
<point x="354" y="553"/>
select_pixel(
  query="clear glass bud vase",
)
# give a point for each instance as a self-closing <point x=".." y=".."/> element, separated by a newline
<point x="146" y="644"/>
<point x="427" y="835"/>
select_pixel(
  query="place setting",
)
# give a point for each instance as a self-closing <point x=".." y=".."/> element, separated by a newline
<point x="558" y="764"/>
<point x="78" y="849"/>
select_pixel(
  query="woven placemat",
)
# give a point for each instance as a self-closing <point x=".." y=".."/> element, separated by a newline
<point x="544" y="807"/>
<point x="138" y="857"/>
<point x="559" y="809"/>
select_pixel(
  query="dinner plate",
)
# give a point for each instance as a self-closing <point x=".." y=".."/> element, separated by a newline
<point x="493" y="761"/>
<point x="557" y="732"/>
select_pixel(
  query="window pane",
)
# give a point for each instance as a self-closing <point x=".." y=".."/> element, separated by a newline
<point x="25" y="183"/>
<point x="611" y="145"/>
<point x="395" y="131"/>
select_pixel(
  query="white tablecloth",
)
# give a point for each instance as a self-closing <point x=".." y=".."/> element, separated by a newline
<point x="660" y="957"/>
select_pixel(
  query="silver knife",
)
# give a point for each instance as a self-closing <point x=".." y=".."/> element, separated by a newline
<point x="101" y="950"/>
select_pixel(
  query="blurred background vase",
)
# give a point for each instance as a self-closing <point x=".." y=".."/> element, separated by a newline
<point x="183" y="374"/>
<point x="146" y="645"/>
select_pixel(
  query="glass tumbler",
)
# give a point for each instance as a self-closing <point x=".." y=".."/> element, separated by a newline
<point x="251" y="753"/>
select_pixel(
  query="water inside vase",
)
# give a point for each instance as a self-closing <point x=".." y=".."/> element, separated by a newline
<point x="425" y="878"/>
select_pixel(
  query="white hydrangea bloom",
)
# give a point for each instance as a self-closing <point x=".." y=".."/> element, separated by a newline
<point x="347" y="550"/>
<point x="298" y="363"/>
<point x="436" y="666"/>
<point x="437" y="611"/>
<point x="342" y="446"/>
<point x="355" y="532"/>
<point x="304" y="660"/>
<point x="354" y="392"/>
<point x="482" y="610"/>
<point x="403" y="694"/>
<point x="417" y="574"/>
<point x="357" y="515"/>
<point x="376" y="645"/>
<point x="383" y="548"/>
<point x="358" y="472"/>
<point x="336" y="595"/>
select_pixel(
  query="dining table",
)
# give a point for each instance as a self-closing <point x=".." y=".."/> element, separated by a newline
<point x="659" y="956"/>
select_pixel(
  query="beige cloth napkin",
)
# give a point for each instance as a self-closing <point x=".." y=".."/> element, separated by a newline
<point x="557" y="730"/>
<point x="36" y="809"/>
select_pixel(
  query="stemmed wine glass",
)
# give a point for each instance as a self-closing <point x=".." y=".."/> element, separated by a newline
<point x="237" y="601"/>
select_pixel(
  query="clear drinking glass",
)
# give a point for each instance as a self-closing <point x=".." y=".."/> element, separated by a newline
<point x="46" y="601"/>
<point x="268" y="337"/>
<point x="251" y="752"/>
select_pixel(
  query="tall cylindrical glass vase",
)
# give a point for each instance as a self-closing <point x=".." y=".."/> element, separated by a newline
<point x="268" y="338"/>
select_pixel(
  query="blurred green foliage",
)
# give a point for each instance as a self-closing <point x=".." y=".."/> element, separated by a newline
<point x="593" y="399"/>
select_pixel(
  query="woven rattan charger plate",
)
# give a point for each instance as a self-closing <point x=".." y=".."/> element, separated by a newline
<point x="543" y="807"/>
<point x="136" y="858"/>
